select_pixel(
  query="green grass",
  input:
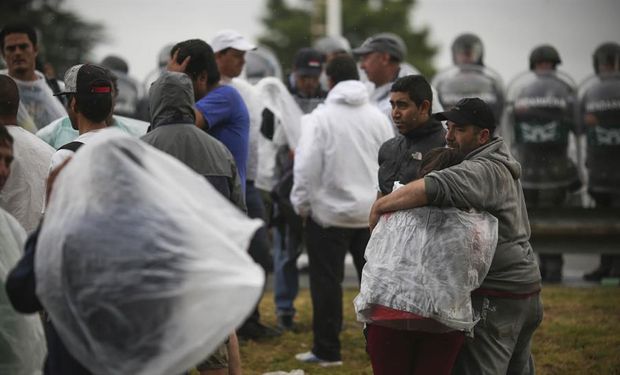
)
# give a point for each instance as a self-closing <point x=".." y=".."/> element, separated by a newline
<point x="580" y="334"/>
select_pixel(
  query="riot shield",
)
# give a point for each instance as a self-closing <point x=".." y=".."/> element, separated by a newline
<point x="599" y="118"/>
<point x="540" y="127"/>
<point x="466" y="81"/>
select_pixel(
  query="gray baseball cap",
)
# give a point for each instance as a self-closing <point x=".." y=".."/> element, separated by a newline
<point x="383" y="42"/>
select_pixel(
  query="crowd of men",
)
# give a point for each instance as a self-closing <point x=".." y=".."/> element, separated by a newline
<point x="316" y="156"/>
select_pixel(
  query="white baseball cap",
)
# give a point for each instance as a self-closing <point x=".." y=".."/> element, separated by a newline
<point x="230" y="39"/>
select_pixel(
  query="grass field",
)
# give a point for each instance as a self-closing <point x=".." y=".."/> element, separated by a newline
<point x="580" y="334"/>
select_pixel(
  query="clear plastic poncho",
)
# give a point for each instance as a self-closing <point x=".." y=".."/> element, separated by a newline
<point x="22" y="342"/>
<point x="141" y="264"/>
<point x="287" y="129"/>
<point x="426" y="261"/>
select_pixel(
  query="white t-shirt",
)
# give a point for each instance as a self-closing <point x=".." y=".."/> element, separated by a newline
<point x="62" y="155"/>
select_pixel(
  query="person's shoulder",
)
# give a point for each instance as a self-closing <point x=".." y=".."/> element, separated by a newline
<point x="23" y="139"/>
<point x="226" y="91"/>
<point x="388" y="147"/>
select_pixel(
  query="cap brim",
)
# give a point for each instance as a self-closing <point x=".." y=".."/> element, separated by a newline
<point x="243" y="45"/>
<point x="454" y="116"/>
<point x="360" y="51"/>
<point x="308" y="72"/>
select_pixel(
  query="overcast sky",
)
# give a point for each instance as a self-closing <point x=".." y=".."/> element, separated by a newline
<point x="138" y="29"/>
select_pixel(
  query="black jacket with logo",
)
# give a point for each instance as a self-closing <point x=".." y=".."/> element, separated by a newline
<point x="399" y="157"/>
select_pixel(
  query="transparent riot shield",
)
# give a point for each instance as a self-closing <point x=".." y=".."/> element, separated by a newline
<point x="540" y="126"/>
<point x="599" y="119"/>
<point x="466" y="81"/>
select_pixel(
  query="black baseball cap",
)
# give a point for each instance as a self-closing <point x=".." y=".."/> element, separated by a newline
<point x="469" y="111"/>
<point x="87" y="80"/>
<point x="308" y="62"/>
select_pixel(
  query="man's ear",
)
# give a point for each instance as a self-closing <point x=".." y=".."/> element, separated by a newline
<point x="385" y="58"/>
<point x="484" y="136"/>
<point x="36" y="50"/>
<point x="73" y="104"/>
<point x="330" y="83"/>
<point x="203" y="78"/>
<point x="425" y="107"/>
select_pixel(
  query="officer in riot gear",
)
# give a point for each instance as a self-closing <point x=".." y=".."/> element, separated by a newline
<point x="260" y="63"/>
<point x="469" y="77"/>
<point x="331" y="46"/>
<point x="599" y="117"/>
<point x="540" y="122"/>
<point x="128" y="93"/>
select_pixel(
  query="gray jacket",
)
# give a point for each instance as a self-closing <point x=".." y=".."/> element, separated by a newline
<point x="488" y="180"/>
<point x="173" y="132"/>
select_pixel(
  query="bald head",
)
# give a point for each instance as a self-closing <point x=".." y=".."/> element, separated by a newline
<point x="9" y="100"/>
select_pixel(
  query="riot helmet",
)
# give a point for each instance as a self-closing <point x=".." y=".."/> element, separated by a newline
<point x="544" y="53"/>
<point x="164" y="56"/>
<point x="115" y="63"/>
<point x="607" y="55"/>
<point x="467" y="49"/>
<point x="261" y="63"/>
<point x="332" y="44"/>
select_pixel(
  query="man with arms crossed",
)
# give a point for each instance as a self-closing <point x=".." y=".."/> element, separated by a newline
<point x="508" y="302"/>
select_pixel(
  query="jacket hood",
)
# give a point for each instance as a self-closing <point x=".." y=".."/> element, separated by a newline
<point x="497" y="150"/>
<point x="348" y="92"/>
<point x="171" y="99"/>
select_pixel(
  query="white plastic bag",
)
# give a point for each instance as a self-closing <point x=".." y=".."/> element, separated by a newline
<point x="141" y="263"/>
<point x="22" y="343"/>
<point x="426" y="261"/>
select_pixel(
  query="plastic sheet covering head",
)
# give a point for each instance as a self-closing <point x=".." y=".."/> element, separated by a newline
<point x="22" y="343"/>
<point x="141" y="263"/>
<point x="427" y="261"/>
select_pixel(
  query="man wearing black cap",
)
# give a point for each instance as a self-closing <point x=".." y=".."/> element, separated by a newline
<point x="508" y="302"/>
<point x="304" y="82"/>
<point x="89" y="89"/>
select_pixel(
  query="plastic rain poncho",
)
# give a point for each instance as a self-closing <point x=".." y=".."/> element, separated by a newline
<point x="23" y="196"/>
<point x="22" y="342"/>
<point x="141" y="263"/>
<point x="426" y="261"/>
<point x="38" y="101"/>
<point x="287" y="129"/>
<point x="60" y="132"/>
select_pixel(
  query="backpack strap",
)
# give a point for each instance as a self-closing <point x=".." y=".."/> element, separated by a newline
<point x="72" y="146"/>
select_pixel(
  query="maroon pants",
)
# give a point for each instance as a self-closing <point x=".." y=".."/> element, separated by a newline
<point x="395" y="352"/>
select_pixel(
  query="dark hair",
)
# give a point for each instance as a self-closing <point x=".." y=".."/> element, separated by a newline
<point x="114" y="79"/>
<point x="95" y="107"/>
<point x="342" y="68"/>
<point x="439" y="158"/>
<point x="20" y="28"/>
<point x="9" y="96"/>
<point x="202" y="59"/>
<point x="416" y="87"/>
<point x="5" y="137"/>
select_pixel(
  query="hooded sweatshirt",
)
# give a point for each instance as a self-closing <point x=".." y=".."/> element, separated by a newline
<point x="173" y="132"/>
<point x="488" y="180"/>
<point x="336" y="158"/>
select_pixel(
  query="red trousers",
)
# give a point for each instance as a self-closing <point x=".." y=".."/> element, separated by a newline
<point x="396" y="352"/>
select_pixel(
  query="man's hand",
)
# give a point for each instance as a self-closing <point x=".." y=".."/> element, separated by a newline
<point x="174" y="66"/>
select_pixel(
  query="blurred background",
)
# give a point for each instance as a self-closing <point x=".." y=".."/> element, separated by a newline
<point x="136" y="30"/>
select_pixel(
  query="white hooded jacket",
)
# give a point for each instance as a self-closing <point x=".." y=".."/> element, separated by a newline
<point x="336" y="160"/>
